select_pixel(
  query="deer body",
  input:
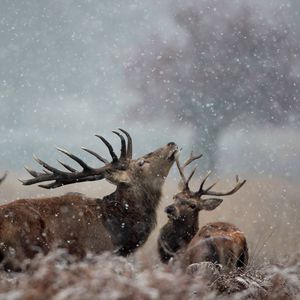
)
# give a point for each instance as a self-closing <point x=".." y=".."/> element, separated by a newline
<point x="120" y="222"/>
<point x="29" y="226"/>
<point x="74" y="222"/>
<point x="217" y="242"/>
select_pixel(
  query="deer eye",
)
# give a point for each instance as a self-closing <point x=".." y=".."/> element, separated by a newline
<point x="141" y="162"/>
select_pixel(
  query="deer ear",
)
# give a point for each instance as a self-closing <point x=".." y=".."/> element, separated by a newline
<point x="211" y="203"/>
<point x="118" y="177"/>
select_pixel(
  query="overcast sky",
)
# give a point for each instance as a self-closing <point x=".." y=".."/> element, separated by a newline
<point x="62" y="78"/>
<point x="62" y="74"/>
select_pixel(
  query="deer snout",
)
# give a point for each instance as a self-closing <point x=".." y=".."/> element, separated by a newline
<point x="171" y="211"/>
<point x="173" y="149"/>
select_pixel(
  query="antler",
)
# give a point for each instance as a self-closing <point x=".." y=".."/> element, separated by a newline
<point x="3" y="177"/>
<point x="181" y="169"/>
<point x="208" y="191"/>
<point x="129" y="144"/>
<point x="88" y="173"/>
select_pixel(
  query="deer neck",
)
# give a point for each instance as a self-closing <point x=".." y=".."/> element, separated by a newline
<point x="186" y="231"/>
<point x="130" y="216"/>
<point x="174" y="237"/>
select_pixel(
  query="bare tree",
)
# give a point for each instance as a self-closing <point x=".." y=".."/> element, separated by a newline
<point x="230" y="65"/>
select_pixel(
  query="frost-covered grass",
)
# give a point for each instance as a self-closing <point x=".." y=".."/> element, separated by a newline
<point x="59" y="276"/>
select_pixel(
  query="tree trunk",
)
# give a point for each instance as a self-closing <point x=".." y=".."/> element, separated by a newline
<point x="206" y="142"/>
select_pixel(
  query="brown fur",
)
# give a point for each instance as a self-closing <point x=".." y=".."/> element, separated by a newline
<point x="218" y="242"/>
<point x="180" y="229"/>
<point x="120" y="222"/>
<point x="30" y="226"/>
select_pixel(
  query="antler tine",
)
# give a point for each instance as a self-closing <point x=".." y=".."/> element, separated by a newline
<point x="191" y="159"/>
<point x="212" y="193"/>
<point x="3" y="177"/>
<point x="129" y="144"/>
<point x="57" y="183"/>
<point x="46" y="166"/>
<point x="69" y="168"/>
<point x="181" y="169"/>
<point x="211" y="186"/>
<point x="190" y="177"/>
<point x="109" y="146"/>
<point x="123" y="145"/>
<point x="96" y="155"/>
<point x="201" y="191"/>
<point x="74" y="157"/>
<point x="32" y="172"/>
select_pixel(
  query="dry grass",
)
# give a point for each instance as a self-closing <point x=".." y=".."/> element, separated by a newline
<point x="58" y="276"/>
<point x="267" y="210"/>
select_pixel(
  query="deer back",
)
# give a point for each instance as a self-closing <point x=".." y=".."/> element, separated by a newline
<point x="218" y="242"/>
<point x="30" y="226"/>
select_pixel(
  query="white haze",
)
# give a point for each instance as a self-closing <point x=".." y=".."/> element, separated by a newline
<point x="62" y="81"/>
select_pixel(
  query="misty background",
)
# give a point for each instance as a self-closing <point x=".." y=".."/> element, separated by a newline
<point x="70" y="69"/>
<point x="221" y="78"/>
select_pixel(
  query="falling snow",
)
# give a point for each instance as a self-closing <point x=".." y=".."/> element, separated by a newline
<point x="219" y="77"/>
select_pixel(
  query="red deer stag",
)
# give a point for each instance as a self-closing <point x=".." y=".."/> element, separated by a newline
<point x="217" y="242"/>
<point x="120" y="222"/>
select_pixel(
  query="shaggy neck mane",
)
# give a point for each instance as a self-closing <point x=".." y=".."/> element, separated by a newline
<point x="186" y="231"/>
<point x="129" y="214"/>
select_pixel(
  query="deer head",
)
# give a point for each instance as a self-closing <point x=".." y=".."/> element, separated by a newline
<point x="187" y="203"/>
<point x="121" y="171"/>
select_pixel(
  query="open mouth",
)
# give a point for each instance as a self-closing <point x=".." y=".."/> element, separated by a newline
<point x="172" y="154"/>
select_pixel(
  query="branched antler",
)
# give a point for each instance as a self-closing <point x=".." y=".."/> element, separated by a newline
<point x="185" y="181"/>
<point x="208" y="192"/>
<point x="202" y="191"/>
<point x="87" y="173"/>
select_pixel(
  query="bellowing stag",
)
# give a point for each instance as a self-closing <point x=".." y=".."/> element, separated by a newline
<point x="217" y="242"/>
<point x="120" y="222"/>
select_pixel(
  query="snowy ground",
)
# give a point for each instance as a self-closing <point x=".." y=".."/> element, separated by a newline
<point x="58" y="276"/>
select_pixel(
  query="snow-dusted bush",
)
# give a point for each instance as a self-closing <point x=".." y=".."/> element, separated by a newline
<point x="60" y="276"/>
